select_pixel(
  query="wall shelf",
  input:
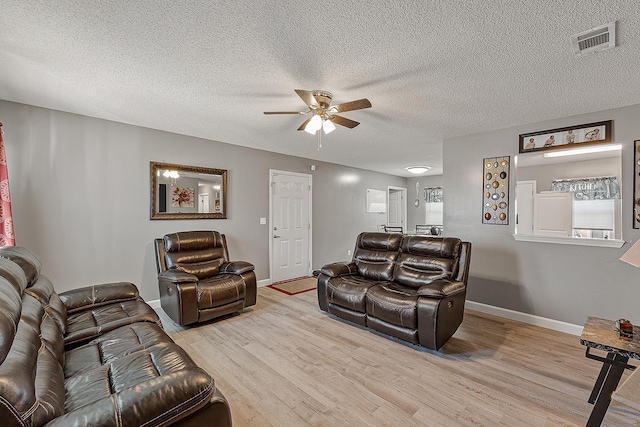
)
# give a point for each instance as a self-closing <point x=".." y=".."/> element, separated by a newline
<point x="577" y="241"/>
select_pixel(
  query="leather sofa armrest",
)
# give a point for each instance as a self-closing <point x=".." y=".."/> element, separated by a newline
<point x="91" y="296"/>
<point x="177" y="276"/>
<point x="337" y="269"/>
<point x="236" y="267"/>
<point x="441" y="288"/>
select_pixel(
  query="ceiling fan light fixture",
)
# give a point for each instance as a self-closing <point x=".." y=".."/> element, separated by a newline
<point x="314" y="125"/>
<point x="328" y="126"/>
<point x="417" y="170"/>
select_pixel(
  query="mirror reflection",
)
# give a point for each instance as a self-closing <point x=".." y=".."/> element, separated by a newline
<point x="576" y="196"/>
<point x="187" y="192"/>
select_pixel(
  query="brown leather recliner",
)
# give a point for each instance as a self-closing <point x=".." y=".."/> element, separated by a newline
<point x="196" y="279"/>
<point x="407" y="286"/>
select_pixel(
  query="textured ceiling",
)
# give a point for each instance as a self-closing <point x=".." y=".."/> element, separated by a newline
<point x="432" y="69"/>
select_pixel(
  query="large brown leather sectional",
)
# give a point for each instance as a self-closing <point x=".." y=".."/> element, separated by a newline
<point x="412" y="287"/>
<point x="95" y="356"/>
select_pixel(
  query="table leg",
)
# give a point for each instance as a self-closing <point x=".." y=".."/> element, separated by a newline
<point x="611" y="380"/>
<point x="603" y="374"/>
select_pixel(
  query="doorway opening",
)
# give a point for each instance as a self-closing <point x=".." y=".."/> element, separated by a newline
<point x="397" y="207"/>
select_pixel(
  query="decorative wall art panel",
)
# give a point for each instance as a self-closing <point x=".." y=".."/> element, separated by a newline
<point x="495" y="190"/>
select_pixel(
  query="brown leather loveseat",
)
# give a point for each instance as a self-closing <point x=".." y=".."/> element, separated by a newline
<point x="95" y="356"/>
<point x="196" y="279"/>
<point x="412" y="287"/>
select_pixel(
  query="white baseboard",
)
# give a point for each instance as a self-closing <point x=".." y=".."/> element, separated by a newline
<point x="531" y="319"/>
<point x="264" y="282"/>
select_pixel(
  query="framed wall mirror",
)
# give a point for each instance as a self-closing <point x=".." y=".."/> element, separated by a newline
<point x="187" y="192"/>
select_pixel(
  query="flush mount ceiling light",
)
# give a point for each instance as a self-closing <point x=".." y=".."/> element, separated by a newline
<point x="585" y="150"/>
<point x="417" y="170"/>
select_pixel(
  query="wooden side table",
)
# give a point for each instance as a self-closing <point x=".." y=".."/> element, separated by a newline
<point x="601" y="334"/>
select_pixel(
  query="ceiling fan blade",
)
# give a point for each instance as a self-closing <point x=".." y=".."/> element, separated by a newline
<point x="286" y="112"/>
<point x="304" y="124"/>
<point x="343" y="121"/>
<point x="307" y="97"/>
<point x="353" y="105"/>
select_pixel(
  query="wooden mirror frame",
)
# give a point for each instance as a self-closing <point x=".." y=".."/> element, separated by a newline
<point x="155" y="214"/>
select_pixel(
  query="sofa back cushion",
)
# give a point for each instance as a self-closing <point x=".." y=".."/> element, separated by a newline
<point x="376" y="254"/>
<point x="26" y="259"/>
<point x="31" y="367"/>
<point x="43" y="291"/>
<point x="195" y="252"/>
<point x="424" y="259"/>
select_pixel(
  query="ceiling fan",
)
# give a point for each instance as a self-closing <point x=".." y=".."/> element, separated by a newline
<point x="323" y="113"/>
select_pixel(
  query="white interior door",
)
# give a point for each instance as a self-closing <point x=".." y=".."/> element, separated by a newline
<point x="203" y="203"/>
<point x="397" y="208"/>
<point x="290" y="224"/>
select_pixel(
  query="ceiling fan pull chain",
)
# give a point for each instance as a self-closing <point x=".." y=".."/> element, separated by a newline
<point x="319" y="140"/>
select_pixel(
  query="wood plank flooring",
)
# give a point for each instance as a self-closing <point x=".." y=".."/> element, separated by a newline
<point x="285" y="363"/>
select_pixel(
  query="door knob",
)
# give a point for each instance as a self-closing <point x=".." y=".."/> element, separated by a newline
<point x="275" y="236"/>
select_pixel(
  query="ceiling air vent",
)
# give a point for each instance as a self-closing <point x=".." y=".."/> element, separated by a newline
<point x="599" y="38"/>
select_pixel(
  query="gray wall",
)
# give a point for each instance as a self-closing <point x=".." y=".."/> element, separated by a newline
<point x="562" y="282"/>
<point x="80" y="196"/>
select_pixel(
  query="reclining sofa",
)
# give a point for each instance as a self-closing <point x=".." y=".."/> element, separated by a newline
<point x="411" y="287"/>
<point x="94" y="356"/>
<point x="196" y="279"/>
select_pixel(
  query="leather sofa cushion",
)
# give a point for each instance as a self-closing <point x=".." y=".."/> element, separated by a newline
<point x="133" y="374"/>
<point x="424" y="259"/>
<point x="220" y="290"/>
<point x="31" y="375"/>
<point x="202" y="269"/>
<point x="375" y="255"/>
<point x="87" y="297"/>
<point x="113" y="345"/>
<point x="14" y="274"/>
<point x="10" y="307"/>
<point x="43" y="291"/>
<point x="26" y="259"/>
<point x="349" y="292"/>
<point x="192" y="241"/>
<point x="85" y="325"/>
<point x="393" y="303"/>
<point x="200" y="253"/>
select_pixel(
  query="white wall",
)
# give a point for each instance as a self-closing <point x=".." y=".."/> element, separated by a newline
<point x="80" y="196"/>
<point x="561" y="282"/>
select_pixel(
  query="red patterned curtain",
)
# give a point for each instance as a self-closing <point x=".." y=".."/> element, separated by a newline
<point x="7" y="237"/>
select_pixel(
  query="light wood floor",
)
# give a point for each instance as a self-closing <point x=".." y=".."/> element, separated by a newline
<point x="286" y="363"/>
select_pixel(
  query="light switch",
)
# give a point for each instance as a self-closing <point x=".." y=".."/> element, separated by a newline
<point x="263" y="221"/>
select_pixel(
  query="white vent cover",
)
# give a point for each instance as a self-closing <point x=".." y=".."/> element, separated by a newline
<point x="599" y="38"/>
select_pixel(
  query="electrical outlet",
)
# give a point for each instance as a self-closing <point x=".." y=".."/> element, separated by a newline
<point x="263" y="221"/>
<point x="349" y="252"/>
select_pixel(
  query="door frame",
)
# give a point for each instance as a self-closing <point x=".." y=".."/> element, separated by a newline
<point x="403" y="193"/>
<point x="273" y="172"/>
